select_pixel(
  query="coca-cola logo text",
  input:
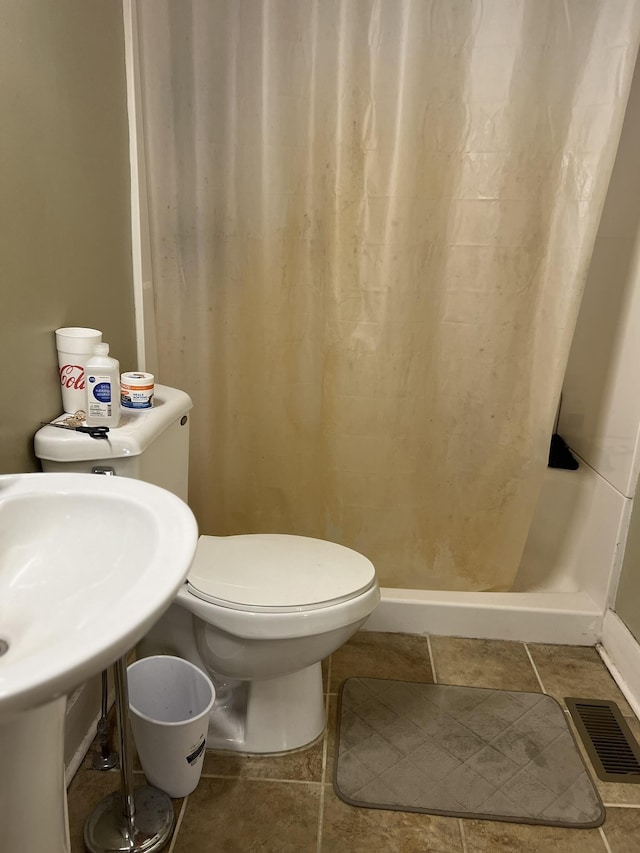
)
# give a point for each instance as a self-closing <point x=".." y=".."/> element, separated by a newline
<point x="72" y="376"/>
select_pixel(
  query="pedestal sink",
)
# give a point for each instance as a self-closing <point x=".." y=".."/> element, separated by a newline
<point x="87" y="565"/>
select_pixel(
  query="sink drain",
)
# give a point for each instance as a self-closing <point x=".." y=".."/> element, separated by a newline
<point x="4" y="646"/>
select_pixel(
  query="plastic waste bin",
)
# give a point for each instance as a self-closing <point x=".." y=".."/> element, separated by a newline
<point x="169" y="703"/>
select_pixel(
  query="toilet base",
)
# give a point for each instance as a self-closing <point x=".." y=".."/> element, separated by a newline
<point x="274" y="715"/>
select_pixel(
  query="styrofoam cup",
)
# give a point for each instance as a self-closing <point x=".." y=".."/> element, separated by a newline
<point x="169" y="701"/>
<point x="75" y="346"/>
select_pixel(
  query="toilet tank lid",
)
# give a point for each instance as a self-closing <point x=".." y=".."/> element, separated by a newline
<point x="279" y="571"/>
<point x="131" y="437"/>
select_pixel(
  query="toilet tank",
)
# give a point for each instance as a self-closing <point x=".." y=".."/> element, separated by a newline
<point x="150" y="445"/>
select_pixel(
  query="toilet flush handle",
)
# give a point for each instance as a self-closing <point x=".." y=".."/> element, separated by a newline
<point x="106" y="470"/>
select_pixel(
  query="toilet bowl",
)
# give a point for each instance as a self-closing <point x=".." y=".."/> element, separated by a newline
<point x="258" y="612"/>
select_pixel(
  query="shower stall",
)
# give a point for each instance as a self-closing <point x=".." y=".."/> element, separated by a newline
<point x="571" y="563"/>
<point x="570" y="568"/>
<point x="564" y="582"/>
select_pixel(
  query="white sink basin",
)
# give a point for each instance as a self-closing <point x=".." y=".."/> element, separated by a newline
<point x="87" y="565"/>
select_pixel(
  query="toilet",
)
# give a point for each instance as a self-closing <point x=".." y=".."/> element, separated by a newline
<point x="258" y="612"/>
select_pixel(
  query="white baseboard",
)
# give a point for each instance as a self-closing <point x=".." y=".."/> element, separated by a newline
<point x="564" y="618"/>
<point x="620" y="652"/>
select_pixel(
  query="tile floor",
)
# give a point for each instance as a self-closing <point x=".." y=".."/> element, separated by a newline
<point x="287" y="803"/>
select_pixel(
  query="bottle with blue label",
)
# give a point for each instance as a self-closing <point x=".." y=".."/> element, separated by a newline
<point x="103" y="388"/>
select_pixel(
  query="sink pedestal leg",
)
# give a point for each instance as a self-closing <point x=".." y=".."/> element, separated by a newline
<point x="129" y="821"/>
<point x="33" y="798"/>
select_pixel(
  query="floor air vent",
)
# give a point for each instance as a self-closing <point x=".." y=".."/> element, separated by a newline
<point x="613" y="750"/>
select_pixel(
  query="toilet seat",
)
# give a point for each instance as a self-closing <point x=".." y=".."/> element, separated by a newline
<point x="303" y="573"/>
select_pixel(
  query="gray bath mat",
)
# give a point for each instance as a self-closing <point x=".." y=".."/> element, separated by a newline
<point x="461" y="751"/>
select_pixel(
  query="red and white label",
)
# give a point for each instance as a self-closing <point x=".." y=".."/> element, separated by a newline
<point x="72" y="376"/>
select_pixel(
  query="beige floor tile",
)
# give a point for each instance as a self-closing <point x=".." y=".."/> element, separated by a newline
<point x="497" y="664"/>
<point x="347" y="829"/>
<point x="236" y="816"/>
<point x="304" y="765"/>
<point x="486" y="836"/>
<point x="85" y="792"/>
<point x="622" y="830"/>
<point x="369" y="654"/>
<point x="332" y="732"/>
<point x="576" y="671"/>
<point x="254" y="808"/>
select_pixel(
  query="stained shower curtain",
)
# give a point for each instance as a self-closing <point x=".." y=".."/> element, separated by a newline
<point x="371" y="221"/>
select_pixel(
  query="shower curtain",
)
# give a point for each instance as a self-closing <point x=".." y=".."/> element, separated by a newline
<point x="370" y="224"/>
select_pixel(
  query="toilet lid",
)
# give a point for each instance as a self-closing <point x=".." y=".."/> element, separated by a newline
<point x="277" y="572"/>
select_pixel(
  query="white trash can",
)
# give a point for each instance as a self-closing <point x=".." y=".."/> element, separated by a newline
<point x="169" y="701"/>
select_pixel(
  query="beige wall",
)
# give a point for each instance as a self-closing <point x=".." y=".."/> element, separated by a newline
<point x="626" y="389"/>
<point x="627" y="604"/>
<point x="65" y="249"/>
